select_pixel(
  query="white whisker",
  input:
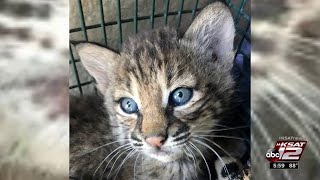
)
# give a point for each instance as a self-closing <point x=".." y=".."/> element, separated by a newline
<point x="102" y="146"/>
<point x="125" y="159"/>
<point x="217" y="130"/>
<point x="223" y="136"/>
<point x="215" y="152"/>
<point x="115" y="161"/>
<point x="205" y="161"/>
<point x="214" y="144"/>
<point x="192" y="156"/>
<point x="115" y="155"/>
<point x="134" y="166"/>
<point x="219" y="125"/>
<point x="123" y="146"/>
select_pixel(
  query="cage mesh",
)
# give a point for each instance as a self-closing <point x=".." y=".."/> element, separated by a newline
<point x="140" y="20"/>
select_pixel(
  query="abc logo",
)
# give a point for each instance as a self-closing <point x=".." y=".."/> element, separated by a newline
<point x="273" y="155"/>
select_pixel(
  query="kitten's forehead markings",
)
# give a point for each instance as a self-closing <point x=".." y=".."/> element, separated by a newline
<point x="160" y="54"/>
<point x="160" y="83"/>
<point x="163" y="81"/>
<point x="184" y="80"/>
<point x="119" y="93"/>
<point x="165" y="97"/>
<point x="135" y="90"/>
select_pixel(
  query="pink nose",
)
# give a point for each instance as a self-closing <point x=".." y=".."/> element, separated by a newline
<point x="156" y="141"/>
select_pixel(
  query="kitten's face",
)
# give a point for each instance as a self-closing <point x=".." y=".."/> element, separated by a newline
<point x="163" y="89"/>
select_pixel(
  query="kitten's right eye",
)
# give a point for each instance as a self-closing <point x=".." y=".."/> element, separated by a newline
<point x="128" y="105"/>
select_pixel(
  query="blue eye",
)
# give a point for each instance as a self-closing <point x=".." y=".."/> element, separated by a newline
<point x="128" y="105"/>
<point x="181" y="96"/>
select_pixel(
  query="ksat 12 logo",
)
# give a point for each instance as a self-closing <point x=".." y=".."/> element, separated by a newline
<point x="286" y="151"/>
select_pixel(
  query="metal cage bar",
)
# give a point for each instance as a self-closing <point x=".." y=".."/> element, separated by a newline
<point x="131" y="20"/>
<point x="243" y="38"/>
<point x="81" y="84"/>
<point x="119" y="23"/>
<point x="83" y="23"/>
<point x="103" y="28"/>
<point x="166" y="13"/>
<point x="152" y="14"/>
<point x="194" y="9"/>
<point x="180" y="12"/>
<point x="136" y="16"/>
<point x="75" y="72"/>
<point x="243" y="2"/>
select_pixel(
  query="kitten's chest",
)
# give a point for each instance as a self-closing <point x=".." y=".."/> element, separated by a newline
<point x="185" y="170"/>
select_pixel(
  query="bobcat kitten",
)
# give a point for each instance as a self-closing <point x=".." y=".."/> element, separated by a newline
<point x="170" y="106"/>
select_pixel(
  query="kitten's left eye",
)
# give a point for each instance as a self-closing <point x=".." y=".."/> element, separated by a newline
<point x="181" y="96"/>
<point x="128" y="105"/>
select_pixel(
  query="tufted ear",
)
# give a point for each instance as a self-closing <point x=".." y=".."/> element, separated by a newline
<point x="213" y="30"/>
<point x="100" y="62"/>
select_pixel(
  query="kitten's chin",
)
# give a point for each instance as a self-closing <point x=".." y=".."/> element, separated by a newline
<point x="165" y="157"/>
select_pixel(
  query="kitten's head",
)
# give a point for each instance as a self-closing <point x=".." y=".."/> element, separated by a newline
<point x="163" y="89"/>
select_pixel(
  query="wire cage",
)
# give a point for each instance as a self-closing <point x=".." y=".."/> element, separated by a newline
<point x="110" y="22"/>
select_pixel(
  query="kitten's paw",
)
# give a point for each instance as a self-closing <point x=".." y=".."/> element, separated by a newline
<point x="232" y="169"/>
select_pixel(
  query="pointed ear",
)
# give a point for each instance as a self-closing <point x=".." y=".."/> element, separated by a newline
<point x="213" y="30"/>
<point x="100" y="62"/>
